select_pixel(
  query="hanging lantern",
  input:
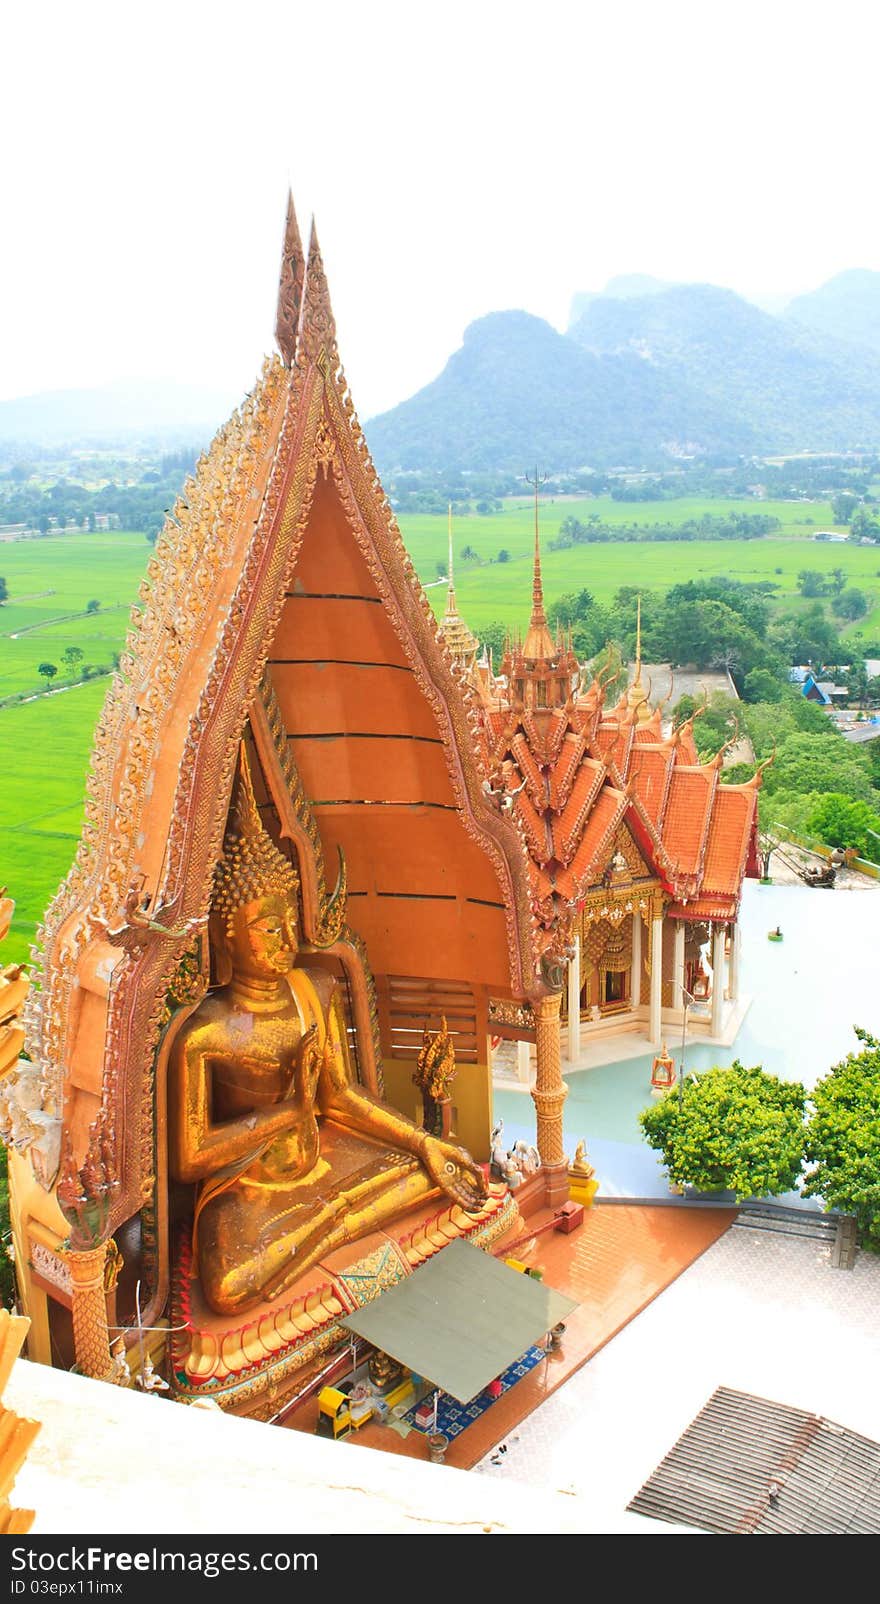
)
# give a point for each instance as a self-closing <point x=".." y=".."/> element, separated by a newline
<point x="662" y="1071"/>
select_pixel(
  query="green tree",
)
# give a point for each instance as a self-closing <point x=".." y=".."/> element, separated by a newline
<point x="838" y="581"/>
<point x="93" y="606"/>
<point x="493" y="638"/>
<point x="4" y="593"/>
<point x="762" y="686"/>
<point x="737" y="1129"/>
<point x="842" y="822"/>
<point x="608" y="665"/>
<point x="812" y="583"/>
<point x="72" y="655"/>
<point x="857" y="682"/>
<point x="843" y="1140"/>
<point x="48" y="671"/>
<point x="864" y="526"/>
<point x="851" y="605"/>
<point x="806" y="762"/>
<point x="504" y="555"/>
<point x="843" y="505"/>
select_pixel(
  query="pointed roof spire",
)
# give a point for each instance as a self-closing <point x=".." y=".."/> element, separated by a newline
<point x="290" y="286"/>
<point x="637" y="696"/>
<point x="317" y="324"/>
<point x="538" y="614"/>
<point x="538" y="641"/>
<point x="452" y="629"/>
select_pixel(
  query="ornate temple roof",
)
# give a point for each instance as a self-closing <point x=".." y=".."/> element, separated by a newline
<point x="574" y="773"/>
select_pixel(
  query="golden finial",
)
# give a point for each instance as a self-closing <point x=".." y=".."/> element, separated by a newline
<point x="637" y="696"/>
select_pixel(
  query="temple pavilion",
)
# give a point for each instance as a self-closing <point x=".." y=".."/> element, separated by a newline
<point x="446" y="843"/>
<point x="637" y="851"/>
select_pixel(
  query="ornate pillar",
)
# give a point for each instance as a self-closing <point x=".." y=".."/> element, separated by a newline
<point x="636" y="971"/>
<point x="574" y="1002"/>
<point x="654" y="1026"/>
<point x="733" y="972"/>
<point x="717" y="978"/>
<point x="549" y="1093"/>
<point x="678" y="965"/>
<point x="90" y="1335"/>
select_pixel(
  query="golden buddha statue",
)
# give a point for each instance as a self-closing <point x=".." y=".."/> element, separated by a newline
<point x="294" y="1159"/>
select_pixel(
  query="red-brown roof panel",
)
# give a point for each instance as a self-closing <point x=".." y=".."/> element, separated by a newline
<point x="686" y="819"/>
<point x="729" y="834"/>
<point x="567" y="829"/>
<point x="605" y="814"/>
<point x="563" y="772"/>
<point x="651" y="771"/>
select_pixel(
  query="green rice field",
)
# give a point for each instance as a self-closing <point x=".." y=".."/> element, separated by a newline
<point x="45" y="740"/>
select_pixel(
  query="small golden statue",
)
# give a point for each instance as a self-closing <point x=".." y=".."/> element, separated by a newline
<point x="581" y="1164"/>
<point x="435" y="1072"/>
<point x="292" y="1157"/>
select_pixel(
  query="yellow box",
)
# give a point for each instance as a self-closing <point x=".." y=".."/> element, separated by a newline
<point x="583" y="1191"/>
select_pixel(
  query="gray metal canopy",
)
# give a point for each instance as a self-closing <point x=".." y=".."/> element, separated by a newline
<point x="461" y="1319"/>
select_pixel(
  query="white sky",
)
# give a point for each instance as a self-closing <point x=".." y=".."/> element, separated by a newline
<point x="461" y="158"/>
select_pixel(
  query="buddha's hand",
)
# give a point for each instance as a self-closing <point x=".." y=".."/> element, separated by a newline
<point x="456" y="1172"/>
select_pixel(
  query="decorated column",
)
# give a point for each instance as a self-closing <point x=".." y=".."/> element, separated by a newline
<point x="678" y="965"/>
<point x="549" y="1093"/>
<point x="636" y="976"/>
<point x="90" y="1334"/>
<point x="84" y="1196"/>
<point x="717" y="978"/>
<point x="733" y="972"/>
<point x="656" y="979"/>
<point x="574" y="1002"/>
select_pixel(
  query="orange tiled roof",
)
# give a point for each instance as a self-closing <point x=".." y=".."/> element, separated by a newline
<point x="562" y="776"/>
<point x="730" y="832"/>
<point x="533" y="826"/>
<point x="687" y="813"/>
<point x="605" y="815"/>
<point x="651" y="773"/>
<point x="721" y="909"/>
<point x="529" y="770"/>
<point x="567" y="827"/>
<point x="587" y="768"/>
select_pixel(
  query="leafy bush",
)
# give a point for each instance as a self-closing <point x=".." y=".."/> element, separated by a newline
<point x="843" y="1140"/>
<point x="739" y="1130"/>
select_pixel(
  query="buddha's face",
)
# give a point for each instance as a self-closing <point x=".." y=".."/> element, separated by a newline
<point x="264" y="937"/>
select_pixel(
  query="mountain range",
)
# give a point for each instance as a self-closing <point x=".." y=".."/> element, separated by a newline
<point x="649" y="372"/>
<point x="154" y="411"/>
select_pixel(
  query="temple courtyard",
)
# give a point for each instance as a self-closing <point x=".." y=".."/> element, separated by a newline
<point x="802" y="997"/>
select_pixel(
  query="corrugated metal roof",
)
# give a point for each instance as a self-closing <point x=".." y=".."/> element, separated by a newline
<point x="461" y="1319"/>
<point x="746" y="1465"/>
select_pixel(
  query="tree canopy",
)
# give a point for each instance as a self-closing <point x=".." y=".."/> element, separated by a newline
<point x="843" y="1140"/>
<point x="736" y="1129"/>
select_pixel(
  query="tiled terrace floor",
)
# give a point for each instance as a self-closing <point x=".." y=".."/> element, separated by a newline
<point x="619" y="1260"/>
<point x="758" y="1311"/>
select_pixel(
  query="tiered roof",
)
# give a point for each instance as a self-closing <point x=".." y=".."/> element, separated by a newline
<point x="452" y="630"/>
<point x="575" y="772"/>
